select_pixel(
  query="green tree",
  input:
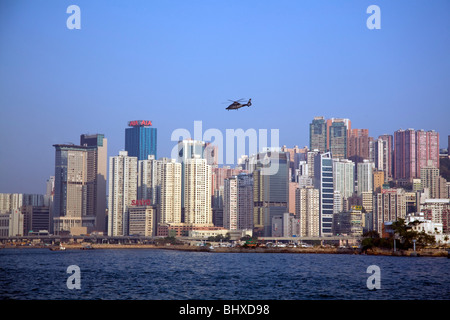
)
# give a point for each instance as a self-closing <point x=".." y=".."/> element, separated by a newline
<point x="407" y="234"/>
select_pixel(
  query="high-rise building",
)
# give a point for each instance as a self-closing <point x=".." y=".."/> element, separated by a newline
<point x="49" y="192"/>
<point x="318" y="134"/>
<point x="389" y="205"/>
<point x="338" y="202"/>
<point x="430" y="178"/>
<point x="141" y="139"/>
<point x="405" y="154"/>
<point x="270" y="190"/>
<point x="364" y="174"/>
<point x="388" y="156"/>
<point x="170" y="191"/>
<point x="358" y="145"/>
<point x="378" y="180"/>
<point x="192" y="149"/>
<point x="296" y="155"/>
<point x="97" y="160"/>
<point x="291" y="198"/>
<point x="197" y="191"/>
<point x="310" y="156"/>
<point x="414" y="150"/>
<point x="149" y="180"/>
<point x="15" y="201"/>
<point x="238" y="202"/>
<point x="122" y="191"/>
<point x="427" y="153"/>
<point x="189" y="148"/>
<point x="323" y="180"/>
<point x="338" y="137"/>
<point x="379" y="157"/>
<point x="307" y="211"/>
<point x="343" y="177"/>
<point x="218" y="177"/>
<point x="74" y="200"/>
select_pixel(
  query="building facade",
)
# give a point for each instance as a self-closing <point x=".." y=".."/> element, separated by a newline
<point x="413" y="151"/>
<point x="270" y="190"/>
<point x="364" y="173"/>
<point x="71" y="207"/>
<point x="318" y="134"/>
<point x="141" y="139"/>
<point x="197" y="191"/>
<point x="388" y="206"/>
<point x="122" y="191"/>
<point x="308" y="211"/>
<point x="323" y="181"/>
<point x="238" y="202"/>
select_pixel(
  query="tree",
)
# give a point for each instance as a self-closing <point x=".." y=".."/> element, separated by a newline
<point x="407" y="234"/>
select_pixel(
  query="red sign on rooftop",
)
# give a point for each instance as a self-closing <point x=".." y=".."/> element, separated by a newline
<point x="140" y="123"/>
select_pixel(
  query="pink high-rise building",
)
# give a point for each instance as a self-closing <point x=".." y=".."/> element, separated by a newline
<point x="358" y="145"/>
<point x="413" y="151"/>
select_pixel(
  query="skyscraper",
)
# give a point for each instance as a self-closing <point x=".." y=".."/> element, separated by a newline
<point x="96" y="179"/>
<point x="270" y="191"/>
<point x="427" y="149"/>
<point x="218" y="177"/>
<point x="431" y="179"/>
<point x="343" y="175"/>
<point x="338" y="138"/>
<point x="405" y="155"/>
<point x="318" y="134"/>
<point x="389" y="205"/>
<point x="238" y="202"/>
<point x="323" y="180"/>
<point x="170" y="191"/>
<point x="307" y="211"/>
<point x="75" y="206"/>
<point x="197" y="192"/>
<point x="122" y="191"/>
<point x="189" y="149"/>
<point x="413" y="151"/>
<point x="148" y="180"/>
<point x="358" y="145"/>
<point x="141" y="139"/>
<point x="388" y="158"/>
<point x="160" y="182"/>
<point x="364" y="174"/>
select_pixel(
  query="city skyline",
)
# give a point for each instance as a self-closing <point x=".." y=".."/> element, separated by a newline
<point x="176" y="64"/>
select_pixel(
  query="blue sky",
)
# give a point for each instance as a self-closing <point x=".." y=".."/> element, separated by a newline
<point x="176" y="62"/>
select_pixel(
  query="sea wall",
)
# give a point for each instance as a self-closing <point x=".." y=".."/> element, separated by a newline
<point x="426" y="252"/>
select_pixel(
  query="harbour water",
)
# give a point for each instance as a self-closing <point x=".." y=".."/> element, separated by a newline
<point x="157" y="274"/>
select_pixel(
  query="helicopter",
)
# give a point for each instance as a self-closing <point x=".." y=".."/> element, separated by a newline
<point x="238" y="104"/>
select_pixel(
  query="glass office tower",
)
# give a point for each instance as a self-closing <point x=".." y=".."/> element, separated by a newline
<point x="140" y="139"/>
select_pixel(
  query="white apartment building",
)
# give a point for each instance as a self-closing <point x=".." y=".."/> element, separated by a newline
<point x="122" y="191"/>
<point x="197" y="191"/>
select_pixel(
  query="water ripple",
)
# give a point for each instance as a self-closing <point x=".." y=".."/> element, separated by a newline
<point x="172" y="275"/>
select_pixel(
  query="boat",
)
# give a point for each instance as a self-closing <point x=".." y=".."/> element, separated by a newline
<point x="58" y="248"/>
<point x="87" y="247"/>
